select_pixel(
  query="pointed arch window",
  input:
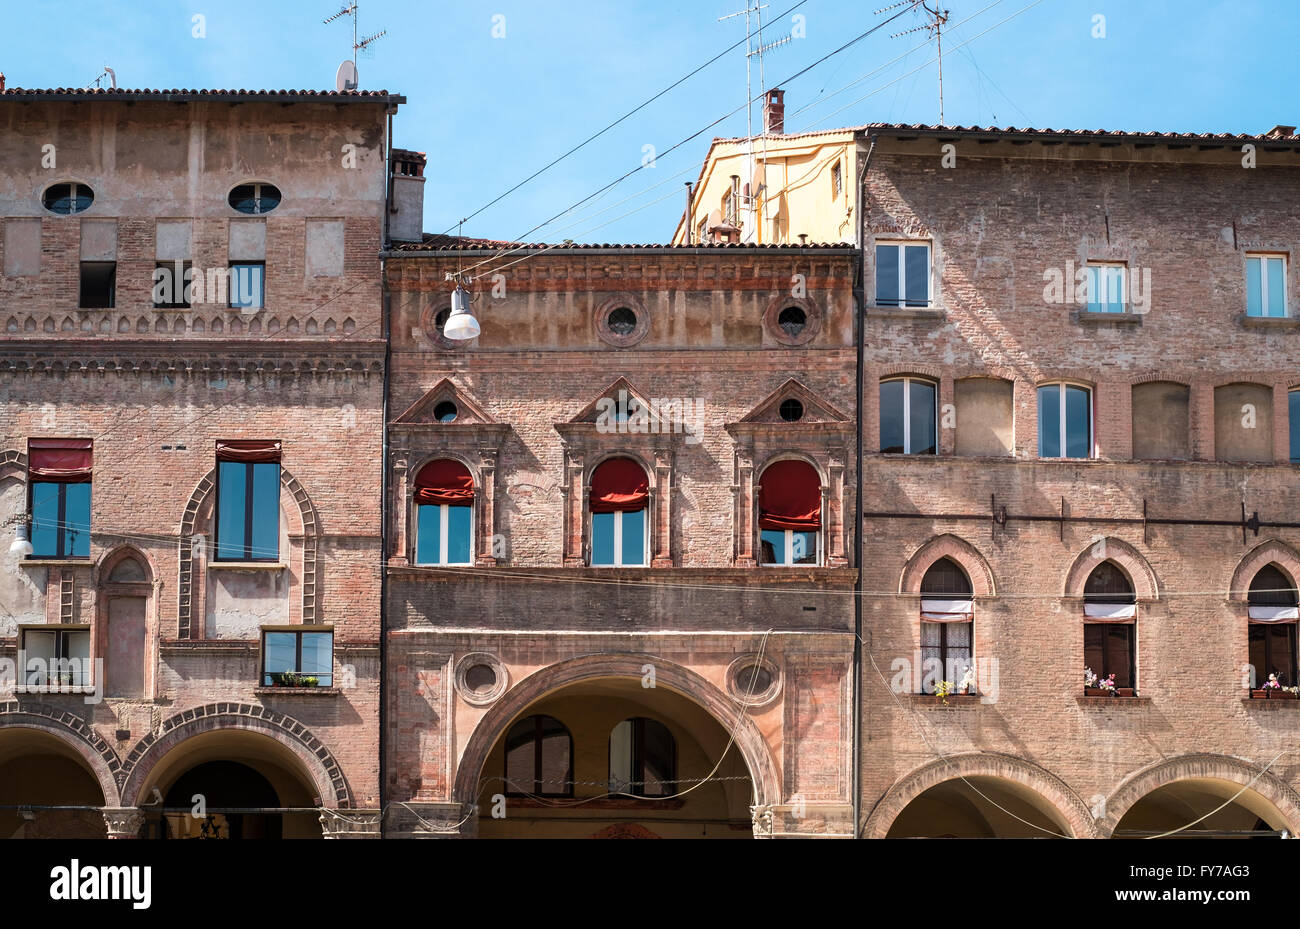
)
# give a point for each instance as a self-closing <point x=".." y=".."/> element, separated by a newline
<point x="1110" y="625"/>
<point x="619" y="504"/>
<point x="947" y="622"/>
<point x="444" y="518"/>
<point x="1272" y="607"/>
<point x="790" y="514"/>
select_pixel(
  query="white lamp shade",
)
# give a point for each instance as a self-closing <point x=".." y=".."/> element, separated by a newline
<point x="461" y="323"/>
<point x="21" y="545"/>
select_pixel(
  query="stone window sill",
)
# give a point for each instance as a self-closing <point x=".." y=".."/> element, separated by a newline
<point x="56" y="562"/>
<point x="1111" y="702"/>
<point x="952" y="700"/>
<point x="907" y="312"/>
<point x="1113" y="319"/>
<point x="297" y="691"/>
<point x="48" y="689"/>
<point x="246" y="565"/>
<point x="1269" y="322"/>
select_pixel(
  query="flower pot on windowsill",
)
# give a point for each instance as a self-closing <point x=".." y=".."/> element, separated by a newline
<point x="1272" y="693"/>
<point x="1104" y="692"/>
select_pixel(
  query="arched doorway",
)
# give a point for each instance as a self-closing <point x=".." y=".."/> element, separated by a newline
<point x="57" y="793"/>
<point x="609" y="758"/>
<point x="978" y="807"/>
<point x="229" y="784"/>
<point x="1202" y="807"/>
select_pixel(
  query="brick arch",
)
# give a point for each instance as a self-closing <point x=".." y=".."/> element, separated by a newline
<point x="111" y="558"/>
<point x="72" y="731"/>
<point x="1161" y="377"/>
<point x="1201" y="765"/>
<point x="1054" y="791"/>
<point x="960" y="551"/>
<point x="317" y="761"/>
<point x="749" y="740"/>
<point x="922" y="371"/>
<point x="13" y="463"/>
<point x="595" y="461"/>
<point x="1130" y="560"/>
<point x="185" y="550"/>
<point x="991" y="372"/>
<point x="1271" y="551"/>
<point x="1080" y="376"/>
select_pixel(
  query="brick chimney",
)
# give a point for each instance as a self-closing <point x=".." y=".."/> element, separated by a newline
<point x="2" y="80"/>
<point x="407" y="223"/>
<point x="1277" y="132"/>
<point x="774" y="112"/>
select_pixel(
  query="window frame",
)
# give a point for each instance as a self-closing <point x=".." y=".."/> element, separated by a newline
<point x="538" y="782"/>
<point x="62" y="525"/>
<point x="901" y="301"/>
<point x="444" y="535"/>
<point x="788" y="549"/>
<point x="186" y="282"/>
<point x="111" y="267"/>
<point x="637" y="761"/>
<point x="907" y="380"/>
<point x="1063" y="426"/>
<point x="73" y="196"/>
<point x="264" y="676"/>
<point x="1104" y="306"/>
<point x="1293" y="424"/>
<point x="1263" y="258"/>
<point x="257" y="198"/>
<point x="231" y="286"/>
<point x="618" y="539"/>
<point x="837" y="179"/>
<point x="62" y="636"/>
<point x="248" y="514"/>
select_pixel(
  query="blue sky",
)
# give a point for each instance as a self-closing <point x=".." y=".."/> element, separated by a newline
<point x="489" y="111"/>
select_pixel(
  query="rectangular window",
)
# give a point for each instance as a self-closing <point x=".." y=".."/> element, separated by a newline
<point x="619" y="539"/>
<point x="59" y="480"/>
<point x="902" y="274"/>
<point x="1293" y="408"/>
<point x="1273" y="651"/>
<point x="443" y="528"/>
<point x="1108" y="649"/>
<point x="172" y="285"/>
<point x="837" y="181"/>
<point x="1106" y="288"/>
<point x="98" y="285"/>
<point x="788" y="547"/>
<point x="1266" y="285"/>
<point x="945" y="651"/>
<point x="297" y="659"/>
<point x="1064" y="421"/>
<point x="908" y="417"/>
<point x="248" y="511"/>
<point x="247" y="284"/>
<point x="56" y="658"/>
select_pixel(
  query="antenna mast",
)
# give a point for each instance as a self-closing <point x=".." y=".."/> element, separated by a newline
<point x="935" y="20"/>
<point x="362" y="45"/>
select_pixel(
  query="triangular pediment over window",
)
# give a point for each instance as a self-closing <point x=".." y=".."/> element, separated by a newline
<point x="792" y="406"/>
<point x="620" y="394"/>
<point x="445" y="404"/>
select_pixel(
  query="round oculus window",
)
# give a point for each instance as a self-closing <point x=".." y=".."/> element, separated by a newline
<point x="621" y="321"/>
<point x="67" y="199"/>
<point x="445" y="412"/>
<point x="791" y="410"/>
<point x="255" y="199"/>
<point x="793" y="320"/>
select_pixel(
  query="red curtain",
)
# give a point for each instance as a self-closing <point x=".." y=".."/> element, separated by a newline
<point x="444" y="481"/>
<point x="619" y="484"/>
<point x="64" y="460"/>
<point x="253" y="451"/>
<point x="790" y="497"/>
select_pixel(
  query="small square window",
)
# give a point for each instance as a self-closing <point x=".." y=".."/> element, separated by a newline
<point x="1106" y="288"/>
<point x="172" y="285"/>
<point x="56" y="658"/>
<point x="297" y="659"/>
<point x="837" y="181"/>
<point x="98" y="285"/>
<point x="248" y="285"/>
<point x="903" y="274"/>
<point x="1266" y="285"/>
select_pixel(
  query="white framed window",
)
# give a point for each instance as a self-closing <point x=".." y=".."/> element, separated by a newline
<point x="1064" y="421"/>
<point x="782" y="547"/>
<point x="620" y="539"/>
<point x="908" y="416"/>
<point x="902" y="274"/>
<point x="1106" y="287"/>
<point x="444" y="534"/>
<point x="1266" y="285"/>
<point x="55" y="657"/>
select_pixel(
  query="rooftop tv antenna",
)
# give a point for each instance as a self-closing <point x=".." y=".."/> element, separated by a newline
<point x="106" y="73"/>
<point x="348" y="77"/>
<point x="935" y="20"/>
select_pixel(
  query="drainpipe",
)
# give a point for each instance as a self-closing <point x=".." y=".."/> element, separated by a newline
<point x="386" y="298"/>
<point x="859" y="307"/>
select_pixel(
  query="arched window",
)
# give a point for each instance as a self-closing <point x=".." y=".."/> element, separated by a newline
<point x="444" y="518"/>
<point x="539" y="758"/>
<point x="1064" y="421"/>
<point x="947" y="624"/>
<point x="620" y="497"/>
<point x="642" y="759"/>
<point x="908" y="416"/>
<point x="1272" y="605"/>
<point x="790" y="514"/>
<point x="1109" y="629"/>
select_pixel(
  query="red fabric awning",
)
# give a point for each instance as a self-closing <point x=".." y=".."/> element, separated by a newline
<point x="254" y="451"/>
<point x="444" y="481"/>
<point x="619" y="485"/>
<point x="790" y="497"/>
<point x="67" y="461"/>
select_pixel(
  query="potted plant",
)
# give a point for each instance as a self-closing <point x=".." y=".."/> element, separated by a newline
<point x="1093" y="686"/>
<point x="968" y="681"/>
<point x="942" y="689"/>
<point x="1273" y="690"/>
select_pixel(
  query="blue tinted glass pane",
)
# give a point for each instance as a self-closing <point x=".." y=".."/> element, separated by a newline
<point x="1254" y="291"/>
<point x="246" y="285"/>
<point x="1049" y="421"/>
<point x="602" y="538"/>
<point x="1276" y="288"/>
<point x="278" y="654"/>
<point x="266" y="511"/>
<point x="917" y="273"/>
<point x="634" y="537"/>
<point x="891" y="417"/>
<point x="1294" y="407"/>
<point x="803" y="548"/>
<point x="76" y="520"/>
<point x="773" y="547"/>
<point x="427" y="541"/>
<point x="318" y="656"/>
<point x="887" y="275"/>
<point x="232" y="495"/>
<point x="1114" y="290"/>
<point x="458" y="533"/>
<point x="922" y="417"/>
<point x="1094" y="290"/>
<point x="45" y="520"/>
<point x="1078" y="422"/>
